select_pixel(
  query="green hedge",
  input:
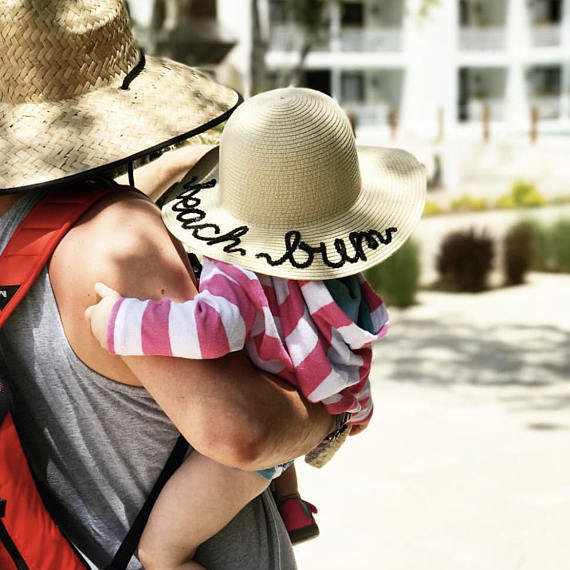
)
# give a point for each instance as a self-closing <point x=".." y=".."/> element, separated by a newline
<point x="467" y="203"/>
<point x="519" y="252"/>
<point x="465" y="260"/>
<point x="397" y="278"/>
<point x="548" y="245"/>
<point x="559" y="244"/>
<point x="523" y="195"/>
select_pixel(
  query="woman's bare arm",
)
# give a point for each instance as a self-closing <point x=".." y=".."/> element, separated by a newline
<point x="227" y="409"/>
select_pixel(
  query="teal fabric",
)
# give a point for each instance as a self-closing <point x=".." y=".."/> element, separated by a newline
<point x="347" y="294"/>
<point x="273" y="472"/>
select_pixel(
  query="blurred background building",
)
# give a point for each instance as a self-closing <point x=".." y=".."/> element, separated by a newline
<point x="379" y="57"/>
<point x="185" y="30"/>
<point x="480" y="89"/>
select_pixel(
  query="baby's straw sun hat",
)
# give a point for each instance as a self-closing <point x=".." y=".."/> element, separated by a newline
<point x="294" y="197"/>
<point x="77" y="96"/>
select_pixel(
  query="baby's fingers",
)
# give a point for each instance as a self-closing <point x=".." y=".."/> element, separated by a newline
<point x="105" y="291"/>
<point x="355" y="429"/>
<point x="89" y="312"/>
<point x="98" y="315"/>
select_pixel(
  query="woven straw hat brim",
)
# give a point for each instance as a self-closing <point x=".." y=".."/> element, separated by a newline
<point x="109" y="126"/>
<point x="392" y="196"/>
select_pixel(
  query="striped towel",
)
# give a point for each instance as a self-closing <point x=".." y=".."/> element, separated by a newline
<point x="290" y="328"/>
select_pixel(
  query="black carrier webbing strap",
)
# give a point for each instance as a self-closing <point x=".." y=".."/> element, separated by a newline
<point x="129" y="545"/>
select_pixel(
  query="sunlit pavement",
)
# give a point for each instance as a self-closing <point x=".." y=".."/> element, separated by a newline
<point x="466" y="464"/>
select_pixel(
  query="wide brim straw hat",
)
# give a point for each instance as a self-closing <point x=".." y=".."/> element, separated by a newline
<point x="294" y="197"/>
<point x="78" y="97"/>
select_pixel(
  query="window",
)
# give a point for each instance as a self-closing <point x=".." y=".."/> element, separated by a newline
<point x="278" y="11"/>
<point x="353" y="14"/>
<point x="352" y="86"/>
<point x="545" y="80"/>
<point x="546" y="11"/>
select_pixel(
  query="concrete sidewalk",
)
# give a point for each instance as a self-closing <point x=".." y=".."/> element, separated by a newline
<point x="466" y="464"/>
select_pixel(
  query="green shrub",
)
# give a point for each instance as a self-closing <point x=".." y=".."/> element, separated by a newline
<point x="541" y="259"/>
<point x="532" y="200"/>
<point x="478" y="204"/>
<point x="519" y="253"/>
<point x="459" y="204"/>
<point x="397" y="278"/>
<point x="526" y="195"/>
<point x="549" y="246"/>
<point x="465" y="260"/>
<point x="431" y="209"/>
<point x="467" y="204"/>
<point x="523" y="195"/>
<point x="559" y="243"/>
<point x="505" y="202"/>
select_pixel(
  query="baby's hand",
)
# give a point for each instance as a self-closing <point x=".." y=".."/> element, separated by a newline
<point x="98" y="315"/>
<point x="355" y="429"/>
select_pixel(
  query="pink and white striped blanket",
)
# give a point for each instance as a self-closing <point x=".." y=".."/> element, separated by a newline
<point x="290" y="328"/>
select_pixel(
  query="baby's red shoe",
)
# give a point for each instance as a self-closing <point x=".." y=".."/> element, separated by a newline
<point x="299" y="521"/>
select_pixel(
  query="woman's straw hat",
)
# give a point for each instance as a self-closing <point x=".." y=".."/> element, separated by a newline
<point x="294" y="197"/>
<point x="77" y="95"/>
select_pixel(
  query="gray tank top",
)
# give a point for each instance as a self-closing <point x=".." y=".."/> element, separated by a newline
<point x="100" y="445"/>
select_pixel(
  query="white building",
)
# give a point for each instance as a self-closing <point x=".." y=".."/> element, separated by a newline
<point x="377" y="55"/>
<point x="437" y="75"/>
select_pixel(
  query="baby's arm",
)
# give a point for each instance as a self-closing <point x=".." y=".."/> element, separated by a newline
<point x="207" y="326"/>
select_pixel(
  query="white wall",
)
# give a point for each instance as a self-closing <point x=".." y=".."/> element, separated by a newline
<point x="235" y="15"/>
<point x="141" y="11"/>
<point x="430" y="59"/>
<point x="385" y="86"/>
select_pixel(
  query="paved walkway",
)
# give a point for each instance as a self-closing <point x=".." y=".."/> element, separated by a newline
<point x="466" y="465"/>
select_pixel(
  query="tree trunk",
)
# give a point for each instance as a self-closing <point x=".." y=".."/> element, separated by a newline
<point x="294" y="76"/>
<point x="258" y="51"/>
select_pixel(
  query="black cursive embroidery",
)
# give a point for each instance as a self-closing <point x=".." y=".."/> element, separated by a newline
<point x="297" y="252"/>
<point x="190" y="217"/>
<point x="300" y="254"/>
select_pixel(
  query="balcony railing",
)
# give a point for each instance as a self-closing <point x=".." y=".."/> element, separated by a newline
<point x="371" y="39"/>
<point x="548" y="105"/>
<point x="289" y="37"/>
<point x="473" y="38"/>
<point x="545" y="35"/>
<point x="475" y="109"/>
<point x="285" y="37"/>
<point x="367" y="113"/>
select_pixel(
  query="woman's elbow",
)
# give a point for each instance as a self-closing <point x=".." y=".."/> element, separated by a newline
<point x="242" y="443"/>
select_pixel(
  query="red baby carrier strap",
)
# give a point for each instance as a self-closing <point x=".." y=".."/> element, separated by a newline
<point x="36" y="238"/>
<point x="29" y="538"/>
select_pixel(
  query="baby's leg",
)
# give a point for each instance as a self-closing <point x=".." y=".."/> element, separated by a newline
<point x="198" y="501"/>
<point x="297" y="514"/>
<point x="286" y="486"/>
